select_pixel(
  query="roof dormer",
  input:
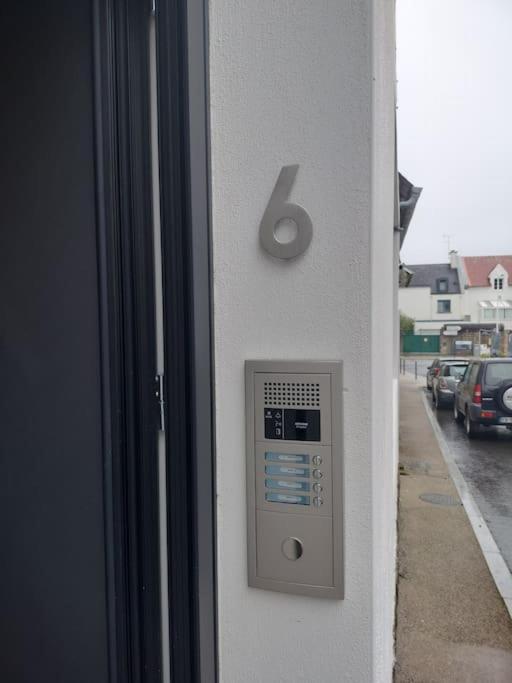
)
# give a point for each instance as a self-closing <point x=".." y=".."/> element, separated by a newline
<point x="498" y="278"/>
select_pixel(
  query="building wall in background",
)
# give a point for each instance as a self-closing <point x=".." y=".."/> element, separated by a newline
<point x="421" y="305"/>
<point x="471" y="305"/>
<point x="311" y="84"/>
<point x="415" y="302"/>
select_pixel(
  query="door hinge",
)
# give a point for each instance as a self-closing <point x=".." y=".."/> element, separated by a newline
<point x="159" y="393"/>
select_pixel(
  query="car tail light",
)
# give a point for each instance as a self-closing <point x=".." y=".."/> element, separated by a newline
<point x="488" y="413"/>
<point x="442" y="383"/>
<point x="477" y="394"/>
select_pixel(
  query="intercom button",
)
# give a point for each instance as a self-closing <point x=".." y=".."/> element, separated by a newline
<point x="287" y="457"/>
<point x="317" y="488"/>
<point x="287" y="484"/>
<point x="317" y="502"/>
<point x="317" y="474"/>
<point x="287" y="471"/>
<point x="317" y="460"/>
<point x="287" y="498"/>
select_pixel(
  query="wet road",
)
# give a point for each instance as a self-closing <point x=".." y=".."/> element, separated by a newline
<point x="486" y="465"/>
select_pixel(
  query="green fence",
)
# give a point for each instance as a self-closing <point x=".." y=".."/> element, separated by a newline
<point x="419" y="343"/>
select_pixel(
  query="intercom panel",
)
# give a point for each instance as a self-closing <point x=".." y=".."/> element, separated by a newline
<point x="294" y="476"/>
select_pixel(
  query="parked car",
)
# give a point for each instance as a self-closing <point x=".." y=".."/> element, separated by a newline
<point x="445" y="383"/>
<point x="484" y="395"/>
<point x="434" y="369"/>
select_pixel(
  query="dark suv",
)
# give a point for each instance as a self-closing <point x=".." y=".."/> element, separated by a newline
<point x="484" y="395"/>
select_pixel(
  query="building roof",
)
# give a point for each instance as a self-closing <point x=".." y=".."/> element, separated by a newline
<point x="478" y="268"/>
<point x="428" y="275"/>
<point x="408" y="195"/>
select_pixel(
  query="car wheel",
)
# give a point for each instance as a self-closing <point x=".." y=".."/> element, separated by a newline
<point x="456" y="413"/>
<point x="472" y="427"/>
<point x="505" y="396"/>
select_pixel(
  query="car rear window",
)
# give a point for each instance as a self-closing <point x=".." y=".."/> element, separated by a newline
<point x="457" y="370"/>
<point x="497" y="373"/>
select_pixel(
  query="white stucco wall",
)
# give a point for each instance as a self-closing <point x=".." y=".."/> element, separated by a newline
<point x="295" y="82"/>
<point x="384" y="348"/>
<point x="415" y="302"/>
<point x="420" y="304"/>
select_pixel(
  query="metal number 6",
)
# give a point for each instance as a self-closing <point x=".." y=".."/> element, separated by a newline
<point x="278" y="209"/>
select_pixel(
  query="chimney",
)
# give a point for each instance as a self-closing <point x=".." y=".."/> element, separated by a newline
<point x="457" y="263"/>
<point x="454" y="258"/>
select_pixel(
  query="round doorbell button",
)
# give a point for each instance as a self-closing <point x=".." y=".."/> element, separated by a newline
<point x="292" y="548"/>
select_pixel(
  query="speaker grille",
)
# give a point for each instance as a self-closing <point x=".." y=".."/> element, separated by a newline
<point x="296" y="394"/>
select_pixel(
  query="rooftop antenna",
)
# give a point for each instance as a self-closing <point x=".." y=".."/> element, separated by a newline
<point x="447" y="239"/>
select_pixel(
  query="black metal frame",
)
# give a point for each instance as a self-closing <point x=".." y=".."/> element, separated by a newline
<point x="126" y="272"/>
<point x="183" y="145"/>
<point x="125" y="239"/>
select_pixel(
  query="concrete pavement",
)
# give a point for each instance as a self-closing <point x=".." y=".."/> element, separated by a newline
<point x="452" y="625"/>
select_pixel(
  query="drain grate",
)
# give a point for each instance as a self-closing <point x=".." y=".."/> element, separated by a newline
<point x="439" y="499"/>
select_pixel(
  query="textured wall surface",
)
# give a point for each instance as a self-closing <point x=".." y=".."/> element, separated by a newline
<point x="418" y="303"/>
<point x="293" y="82"/>
<point x="384" y="347"/>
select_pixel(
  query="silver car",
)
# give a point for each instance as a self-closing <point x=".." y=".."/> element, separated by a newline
<point x="445" y="383"/>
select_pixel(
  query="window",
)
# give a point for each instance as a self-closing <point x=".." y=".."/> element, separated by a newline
<point x="463" y="345"/>
<point x="489" y="314"/>
<point x="497" y="373"/>
<point x="442" y="285"/>
<point x="498" y="282"/>
<point x="457" y="371"/>
<point x="444" y="306"/>
<point x="507" y="314"/>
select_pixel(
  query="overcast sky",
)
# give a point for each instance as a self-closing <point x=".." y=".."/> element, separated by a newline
<point x="454" y="61"/>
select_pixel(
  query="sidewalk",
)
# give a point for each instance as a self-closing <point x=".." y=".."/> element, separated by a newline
<point x="452" y="625"/>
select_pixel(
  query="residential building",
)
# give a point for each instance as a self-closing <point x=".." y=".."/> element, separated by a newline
<point x="432" y="297"/>
<point x="467" y="289"/>
<point x="487" y="289"/>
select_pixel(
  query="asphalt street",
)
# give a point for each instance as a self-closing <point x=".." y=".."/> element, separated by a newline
<point x="486" y="465"/>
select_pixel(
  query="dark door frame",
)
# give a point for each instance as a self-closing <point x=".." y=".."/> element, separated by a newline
<point x="181" y="31"/>
<point x="126" y="272"/>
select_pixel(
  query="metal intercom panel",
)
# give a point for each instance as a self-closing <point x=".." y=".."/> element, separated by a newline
<point x="294" y="476"/>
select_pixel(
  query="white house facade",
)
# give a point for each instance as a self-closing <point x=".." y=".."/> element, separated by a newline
<point x="468" y="289"/>
<point x="488" y="289"/>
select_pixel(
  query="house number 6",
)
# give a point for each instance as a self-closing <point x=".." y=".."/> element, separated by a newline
<point x="278" y="210"/>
